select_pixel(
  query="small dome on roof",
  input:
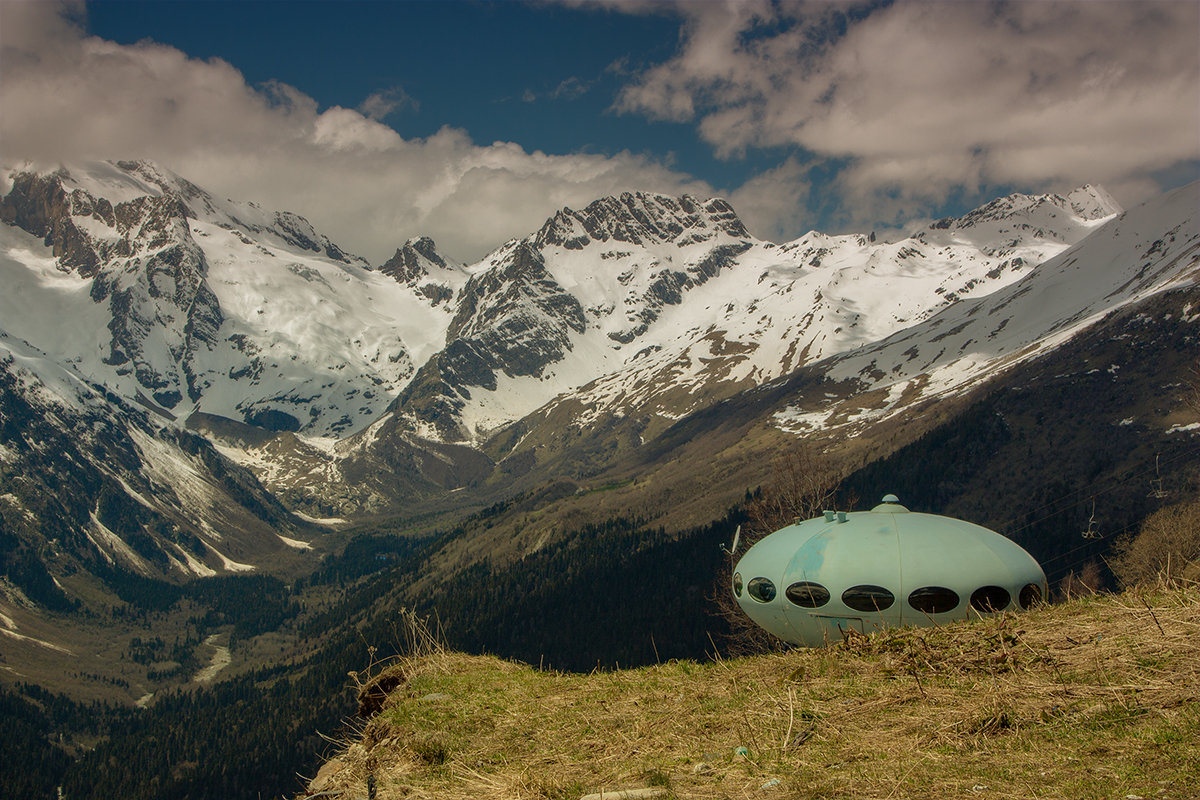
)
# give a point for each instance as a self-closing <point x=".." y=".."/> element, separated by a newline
<point x="889" y="504"/>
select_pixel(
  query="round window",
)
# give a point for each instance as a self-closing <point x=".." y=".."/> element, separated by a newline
<point x="986" y="599"/>
<point x="933" y="599"/>
<point x="1031" y="595"/>
<point x="868" y="598"/>
<point x="761" y="590"/>
<point x="807" y="594"/>
<point x="737" y="584"/>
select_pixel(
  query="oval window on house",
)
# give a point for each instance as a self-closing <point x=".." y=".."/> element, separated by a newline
<point x="737" y="584"/>
<point x="1031" y="595"/>
<point x="868" y="598"/>
<point x="761" y="589"/>
<point x="807" y="594"/>
<point x="987" y="599"/>
<point x="933" y="599"/>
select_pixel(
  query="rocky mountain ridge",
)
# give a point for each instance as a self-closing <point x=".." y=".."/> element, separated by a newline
<point x="162" y="251"/>
<point x="351" y="390"/>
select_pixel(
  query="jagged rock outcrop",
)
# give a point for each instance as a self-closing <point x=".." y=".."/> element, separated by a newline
<point x="513" y="319"/>
<point x="142" y="262"/>
<point x="419" y="265"/>
<point x="284" y="226"/>
<point x="640" y="218"/>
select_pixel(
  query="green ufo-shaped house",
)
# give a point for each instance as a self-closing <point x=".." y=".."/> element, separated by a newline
<point x="886" y="567"/>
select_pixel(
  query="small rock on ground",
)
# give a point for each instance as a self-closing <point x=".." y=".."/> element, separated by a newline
<point x="628" y="794"/>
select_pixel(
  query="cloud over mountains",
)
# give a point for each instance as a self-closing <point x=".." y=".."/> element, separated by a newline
<point x="922" y="99"/>
<point x="875" y="113"/>
<point x="69" y="97"/>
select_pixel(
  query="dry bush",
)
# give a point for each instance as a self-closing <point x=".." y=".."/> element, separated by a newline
<point x="1086" y="581"/>
<point x="1168" y="545"/>
<point x="801" y="486"/>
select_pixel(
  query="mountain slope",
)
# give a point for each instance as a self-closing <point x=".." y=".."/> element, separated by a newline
<point x="209" y="306"/>
<point x="1151" y="249"/>
<point x="578" y="349"/>
<point x="640" y="309"/>
<point x="89" y="479"/>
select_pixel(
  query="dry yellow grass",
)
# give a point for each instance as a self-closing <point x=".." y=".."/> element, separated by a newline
<point x="1096" y="698"/>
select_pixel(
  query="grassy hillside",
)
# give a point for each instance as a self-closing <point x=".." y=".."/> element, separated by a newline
<point x="1098" y="697"/>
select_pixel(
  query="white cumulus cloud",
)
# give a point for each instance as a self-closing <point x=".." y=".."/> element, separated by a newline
<point x="68" y="97"/>
<point x="919" y="100"/>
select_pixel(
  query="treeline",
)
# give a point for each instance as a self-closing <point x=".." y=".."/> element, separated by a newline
<point x="252" y="604"/>
<point x="1044" y="485"/>
<point x="39" y="735"/>
<point x="616" y="594"/>
<point x="250" y="736"/>
<point x="247" y="737"/>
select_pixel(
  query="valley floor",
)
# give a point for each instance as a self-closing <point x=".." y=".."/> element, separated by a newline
<point x="1098" y="697"/>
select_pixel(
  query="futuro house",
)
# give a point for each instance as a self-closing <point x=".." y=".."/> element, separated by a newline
<point x="889" y="566"/>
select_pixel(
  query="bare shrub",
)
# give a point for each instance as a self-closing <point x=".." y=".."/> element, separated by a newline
<point x="802" y="484"/>
<point x="1082" y="583"/>
<point x="1167" y="546"/>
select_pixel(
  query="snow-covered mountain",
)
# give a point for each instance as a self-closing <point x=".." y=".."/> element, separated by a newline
<point x="90" y="478"/>
<point x="146" y="284"/>
<point x="201" y="305"/>
<point x="771" y="309"/>
<point x="1149" y="250"/>
<point x="348" y="388"/>
<point x="643" y="295"/>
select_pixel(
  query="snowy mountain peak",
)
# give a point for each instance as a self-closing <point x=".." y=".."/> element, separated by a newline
<point x="1092" y="202"/>
<point x="641" y="218"/>
<point x="1007" y="224"/>
<point x="147" y="173"/>
<point x="419" y="266"/>
<point x="426" y="247"/>
<point x="1150" y="250"/>
<point x="1087" y="203"/>
<point x="416" y="259"/>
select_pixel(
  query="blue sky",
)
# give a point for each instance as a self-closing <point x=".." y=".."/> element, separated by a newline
<point x="473" y="121"/>
<point x="542" y="75"/>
